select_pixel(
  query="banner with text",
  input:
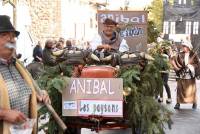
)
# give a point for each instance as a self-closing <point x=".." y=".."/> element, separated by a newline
<point x="93" y="96"/>
<point x="133" y="26"/>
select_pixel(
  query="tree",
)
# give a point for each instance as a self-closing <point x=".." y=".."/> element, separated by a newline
<point x="156" y="13"/>
<point x="153" y="32"/>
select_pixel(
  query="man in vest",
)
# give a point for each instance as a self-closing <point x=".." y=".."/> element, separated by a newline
<point x="18" y="96"/>
<point x="109" y="38"/>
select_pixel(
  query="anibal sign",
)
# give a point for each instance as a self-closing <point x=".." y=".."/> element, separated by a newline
<point x="91" y="86"/>
<point x="121" y="18"/>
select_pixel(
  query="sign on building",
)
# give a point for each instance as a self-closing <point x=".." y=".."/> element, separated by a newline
<point x="134" y="26"/>
<point x="93" y="96"/>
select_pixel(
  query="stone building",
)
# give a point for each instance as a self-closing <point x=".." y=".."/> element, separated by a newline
<point x="38" y="20"/>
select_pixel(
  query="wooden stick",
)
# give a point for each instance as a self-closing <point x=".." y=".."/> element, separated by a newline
<point x="56" y="117"/>
<point x="58" y="120"/>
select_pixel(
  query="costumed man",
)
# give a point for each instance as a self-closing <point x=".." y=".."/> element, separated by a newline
<point x="18" y="96"/>
<point x="186" y="84"/>
<point x="109" y="38"/>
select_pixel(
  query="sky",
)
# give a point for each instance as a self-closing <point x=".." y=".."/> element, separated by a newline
<point x="140" y="3"/>
<point x="134" y="4"/>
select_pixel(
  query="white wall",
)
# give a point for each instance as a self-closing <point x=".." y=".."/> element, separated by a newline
<point x="24" y="45"/>
<point x="6" y="10"/>
<point x="76" y="20"/>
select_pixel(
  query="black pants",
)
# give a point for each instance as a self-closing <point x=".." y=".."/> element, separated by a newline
<point x="165" y="77"/>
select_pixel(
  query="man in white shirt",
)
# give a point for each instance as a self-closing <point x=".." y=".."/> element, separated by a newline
<point x="109" y="38"/>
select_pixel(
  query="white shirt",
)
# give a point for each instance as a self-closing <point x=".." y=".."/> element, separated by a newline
<point x="190" y="67"/>
<point x="187" y="58"/>
<point x="97" y="41"/>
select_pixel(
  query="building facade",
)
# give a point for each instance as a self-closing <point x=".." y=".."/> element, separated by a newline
<point x="39" y="20"/>
<point x="182" y="20"/>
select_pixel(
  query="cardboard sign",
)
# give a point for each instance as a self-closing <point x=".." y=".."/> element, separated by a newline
<point x="135" y="32"/>
<point x="93" y="96"/>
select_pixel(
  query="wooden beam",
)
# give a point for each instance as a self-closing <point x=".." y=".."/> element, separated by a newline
<point x="15" y="13"/>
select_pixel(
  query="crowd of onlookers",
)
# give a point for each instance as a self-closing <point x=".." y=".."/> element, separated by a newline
<point x="56" y="45"/>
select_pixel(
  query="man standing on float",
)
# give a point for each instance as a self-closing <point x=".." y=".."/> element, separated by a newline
<point x="109" y="38"/>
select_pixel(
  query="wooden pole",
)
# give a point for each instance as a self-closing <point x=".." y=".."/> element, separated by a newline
<point x="15" y="13"/>
<point x="52" y="111"/>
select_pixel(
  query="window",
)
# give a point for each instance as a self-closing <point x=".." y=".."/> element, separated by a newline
<point x="173" y="28"/>
<point x="166" y="27"/>
<point x="188" y="27"/>
<point x="196" y="27"/>
<point x="182" y="2"/>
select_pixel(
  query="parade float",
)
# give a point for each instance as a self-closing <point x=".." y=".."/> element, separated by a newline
<point x="113" y="90"/>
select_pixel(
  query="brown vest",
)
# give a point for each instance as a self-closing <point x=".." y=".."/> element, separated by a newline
<point x="115" y="41"/>
<point x="4" y="99"/>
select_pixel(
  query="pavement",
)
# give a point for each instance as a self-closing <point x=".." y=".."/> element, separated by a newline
<point x="185" y="121"/>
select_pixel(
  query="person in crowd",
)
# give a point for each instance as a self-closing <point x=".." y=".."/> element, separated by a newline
<point x="51" y="59"/>
<point x="165" y="77"/>
<point x="48" y="58"/>
<point x="59" y="46"/>
<point x="18" y="96"/>
<point x="69" y="45"/>
<point x="62" y="41"/>
<point x="109" y="38"/>
<point x="36" y="67"/>
<point x="37" y="53"/>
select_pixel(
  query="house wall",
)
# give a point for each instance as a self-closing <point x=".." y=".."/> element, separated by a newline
<point x="44" y="18"/>
<point x="182" y="14"/>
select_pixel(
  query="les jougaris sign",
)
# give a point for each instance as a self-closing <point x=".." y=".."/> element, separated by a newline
<point x="93" y="96"/>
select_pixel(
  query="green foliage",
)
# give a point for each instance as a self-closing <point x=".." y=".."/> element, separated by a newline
<point x="54" y="83"/>
<point x="156" y="13"/>
<point x="132" y="77"/>
<point x="145" y="113"/>
<point x="152" y="32"/>
<point x="161" y="62"/>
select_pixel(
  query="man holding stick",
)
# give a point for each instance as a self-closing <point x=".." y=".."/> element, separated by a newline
<point x="18" y="96"/>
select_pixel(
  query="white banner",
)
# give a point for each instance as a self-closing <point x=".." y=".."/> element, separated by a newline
<point x="100" y="107"/>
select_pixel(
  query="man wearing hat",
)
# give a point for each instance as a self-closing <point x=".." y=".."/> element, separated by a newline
<point x="186" y="84"/>
<point x="18" y="96"/>
<point x="109" y="38"/>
